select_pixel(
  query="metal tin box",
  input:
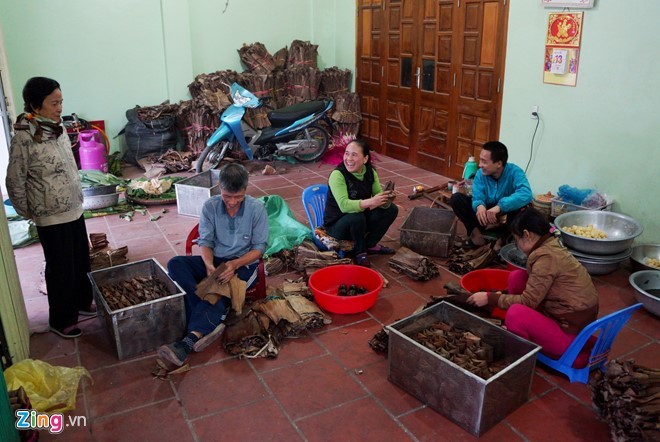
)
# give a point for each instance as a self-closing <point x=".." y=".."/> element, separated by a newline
<point x="473" y="403"/>
<point x="192" y="193"/>
<point x="142" y="327"/>
<point x="429" y="231"/>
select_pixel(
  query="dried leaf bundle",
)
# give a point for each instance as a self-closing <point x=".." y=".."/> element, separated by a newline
<point x="171" y="161"/>
<point x="212" y="89"/>
<point x="97" y="241"/>
<point x="463" y="261"/>
<point x="149" y="113"/>
<point x="414" y="265"/>
<point x="335" y="81"/>
<point x="302" y="53"/>
<point x="303" y="83"/>
<point x="279" y="88"/>
<point x="259" y="331"/>
<point x="627" y="396"/>
<point x="257" y="58"/>
<point x="132" y="292"/>
<point x="280" y="57"/>
<point x="196" y="122"/>
<point x="261" y="85"/>
<point x="346" y="113"/>
<point x="461" y="347"/>
<point x="108" y="257"/>
<point x="347" y="108"/>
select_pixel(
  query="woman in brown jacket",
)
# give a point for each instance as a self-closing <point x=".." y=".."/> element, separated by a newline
<point x="559" y="299"/>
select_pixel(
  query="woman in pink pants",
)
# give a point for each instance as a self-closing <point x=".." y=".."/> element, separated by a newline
<point x="557" y="297"/>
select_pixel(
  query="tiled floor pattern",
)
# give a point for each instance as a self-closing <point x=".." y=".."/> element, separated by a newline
<point x="325" y="385"/>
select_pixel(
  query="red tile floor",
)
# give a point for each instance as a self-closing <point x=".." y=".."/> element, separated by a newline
<point x="325" y="385"/>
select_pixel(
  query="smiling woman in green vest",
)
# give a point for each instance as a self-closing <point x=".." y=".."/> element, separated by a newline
<point x="357" y="208"/>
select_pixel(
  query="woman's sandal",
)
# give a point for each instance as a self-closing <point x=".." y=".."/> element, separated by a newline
<point x="379" y="249"/>
<point x="91" y="311"/>
<point x="67" y="332"/>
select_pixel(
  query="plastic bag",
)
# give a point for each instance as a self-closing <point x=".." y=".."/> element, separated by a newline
<point x="50" y="389"/>
<point x="573" y="195"/>
<point x="285" y="231"/>
<point x="595" y="200"/>
<point x="23" y="232"/>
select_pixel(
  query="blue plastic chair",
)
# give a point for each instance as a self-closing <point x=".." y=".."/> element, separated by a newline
<point x="313" y="199"/>
<point x="607" y="328"/>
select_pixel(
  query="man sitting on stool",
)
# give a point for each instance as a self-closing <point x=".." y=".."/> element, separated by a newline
<point x="498" y="188"/>
<point x="233" y="229"/>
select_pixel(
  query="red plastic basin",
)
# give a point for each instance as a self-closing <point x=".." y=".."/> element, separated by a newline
<point x="485" y="280"/>
<point x="324" y="284"/>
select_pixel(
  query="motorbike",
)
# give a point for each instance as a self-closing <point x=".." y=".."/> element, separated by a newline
<point x="295" y="131"/>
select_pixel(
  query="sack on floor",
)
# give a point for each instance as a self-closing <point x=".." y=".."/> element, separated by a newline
<point x="50" y="389"/>
<point x="148" y="137"/>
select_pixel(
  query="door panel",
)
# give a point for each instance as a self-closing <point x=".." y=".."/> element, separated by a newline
<point x="369" y="75"/>
<point x="442" y="62"/>
<point x="401" y="41"/>
<point x="480" y="26"/>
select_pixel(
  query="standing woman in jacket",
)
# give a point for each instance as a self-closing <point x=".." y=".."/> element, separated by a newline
<point x="357" y="208"/>
<point x="44" y="186"/>
<point x="556" y="299"/>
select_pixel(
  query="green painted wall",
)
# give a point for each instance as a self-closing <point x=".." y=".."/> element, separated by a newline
<point x="109" y="57"/>
<point x="605" y="132"/>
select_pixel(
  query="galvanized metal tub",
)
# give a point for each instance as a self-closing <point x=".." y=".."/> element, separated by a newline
<point x="429" y="231"/>
<point x="142" y="327"/>
<point x="621" y="231"/>
<point x="473" y="403"/>
<point x="193" y="192"/>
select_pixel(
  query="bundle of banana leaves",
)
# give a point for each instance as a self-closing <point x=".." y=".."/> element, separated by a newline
<point x="96" y="178"/>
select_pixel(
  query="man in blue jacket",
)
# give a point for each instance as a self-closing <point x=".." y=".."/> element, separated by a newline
<point x="498" y="188"/>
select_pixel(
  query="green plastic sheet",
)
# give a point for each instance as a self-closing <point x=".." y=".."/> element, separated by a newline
<point x="286" y="231"/>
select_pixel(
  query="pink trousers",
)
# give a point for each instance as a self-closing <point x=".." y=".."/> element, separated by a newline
<point x="532" y="325"/>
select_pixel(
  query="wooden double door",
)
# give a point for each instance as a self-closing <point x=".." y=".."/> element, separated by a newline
<point x="429" y="74"/>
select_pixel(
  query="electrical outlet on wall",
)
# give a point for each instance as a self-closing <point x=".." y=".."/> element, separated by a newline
<point x="534" y="112"/>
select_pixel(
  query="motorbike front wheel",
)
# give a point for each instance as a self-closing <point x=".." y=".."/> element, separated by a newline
<point x="211" y="156"/>
<point x="313" y="142"/>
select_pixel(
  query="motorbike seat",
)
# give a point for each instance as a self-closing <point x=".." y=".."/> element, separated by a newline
<point x="287" y="115"/>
